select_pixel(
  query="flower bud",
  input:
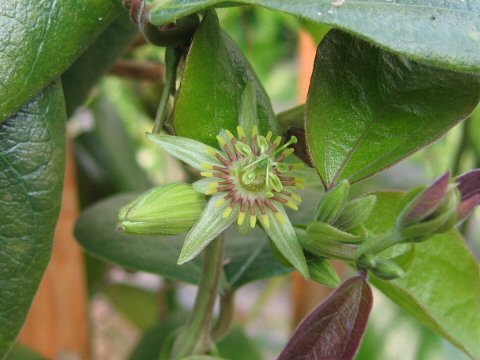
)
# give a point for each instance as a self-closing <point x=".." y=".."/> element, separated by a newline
<point x="164" y="210"/>
<point x="332" y="203"/>
<point x="325" y="232"/>
<point x="318" y="245"/>
<point x="323" y="272"/>
<point x="387" y="269"/>
<point x="425" y="203"/>
<point x="356" y="212"/>
<point x="469" y="188"/>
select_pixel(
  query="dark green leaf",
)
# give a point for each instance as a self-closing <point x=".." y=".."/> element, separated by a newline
<point x="40" y="39"/>
<point x="99" y="57"/>
<point x="367" y="109"/>
<point x="32" y="162"/>
<point x="21" y="352"/>
<point x="247" y="258"/>
<point x="442" y="287"/>
<point x="216" y="74"/>
<point x="333" y="330"/>
<point x="444" y="33"/>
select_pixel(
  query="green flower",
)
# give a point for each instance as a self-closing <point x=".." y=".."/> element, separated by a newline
<point x="248" y="180"/>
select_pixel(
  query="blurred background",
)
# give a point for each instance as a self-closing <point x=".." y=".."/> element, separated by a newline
<point x="111" y="156"/>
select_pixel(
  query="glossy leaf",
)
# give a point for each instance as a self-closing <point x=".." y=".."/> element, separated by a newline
<point x="437" y="32"/>
<point x="247" y="258"/>
<point x="210" y="94"/>
<point x="78" y="80"/>
<point x="41" y="39"/>
<point x="333" y="331"/>
<point x="367" y="109"/>
<point x="32" y="162"/>
<point x="441" y="289"/>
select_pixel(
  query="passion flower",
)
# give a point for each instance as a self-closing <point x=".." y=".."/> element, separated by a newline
<point x="248" y="180"/>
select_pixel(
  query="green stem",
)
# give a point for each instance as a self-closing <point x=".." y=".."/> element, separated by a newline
<point x="379" y="243"/>
<point x="225" y="318"/>
<point x="195" y="338"/>
<point x="172" y="58"/>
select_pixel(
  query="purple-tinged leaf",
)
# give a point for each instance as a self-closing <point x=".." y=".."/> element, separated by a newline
<point x="427" y="201"/>
<point x="333" y="331"/>
<point x="469" y="184"/>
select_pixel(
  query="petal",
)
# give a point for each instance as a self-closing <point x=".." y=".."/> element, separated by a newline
<point x="192" y="152"/>
<point x="209" y="226"/>
<point x="285" y="239"/>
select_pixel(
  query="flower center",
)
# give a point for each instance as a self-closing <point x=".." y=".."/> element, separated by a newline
<point x="253" y="176"/>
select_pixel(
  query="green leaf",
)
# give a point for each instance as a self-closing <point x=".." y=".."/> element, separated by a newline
<point x="367" y="109"/>
<point x="442" y="287"/>
<point x="21" y="352"/>
<point x="78" y="80"/>
<point x="41" y="39"/>
<point x="210" y="95"/>
<point x="247" y="258"/>
<point x="32" y="162"/>
<point x="432" y="31"/>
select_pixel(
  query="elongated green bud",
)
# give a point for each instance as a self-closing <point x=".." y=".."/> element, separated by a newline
<point x="332" y="203"/>
<point x="164" y="210"/>
<point x="327" y="248"/>
<point x="387" y="269"/>
<point x="323" y="272"/>
<point x="325" y="232"/>
<point x="356" y="212"/>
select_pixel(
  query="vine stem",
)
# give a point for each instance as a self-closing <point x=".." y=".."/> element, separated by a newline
<point x="226" y="315"/>
<point x="195" y="337"/>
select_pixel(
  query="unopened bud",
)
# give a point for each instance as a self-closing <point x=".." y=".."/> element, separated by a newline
<point x="355" y="213"/>
<point x="323" y="272"/>
<point x="332" y="203"/>
<point x="325" y="232"/>
<point x="319" y="246"/>
<point x="164" y="210"/>
<point x="442" y="220"/>
<point x="387" y="269"/>
<point x="425" y="203"/>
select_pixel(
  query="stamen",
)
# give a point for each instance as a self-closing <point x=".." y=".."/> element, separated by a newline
<point x="279" y="199"/>
<point x="211" y="191"/>
<point x="241" y="134"/>
<point x="207" y="174"/>
<point x="241" y="218"/>
<point x="269" y="136"/>
<point x="227" y="212"/>
<point x="225" y="188"/>
<point x="285" y="154"/>
<point x="223" y="160"/>
<point x="270" y="205"/>
<point x="223" y="170"/>
<point x="207" y="166"/>
<point x="253" y="221"/>
<point x="219" y="202"/>
<point x="266" y="221"/>
<point x="281" y="219"/>
<point x="291" y="205"/>
<point x="221" y="141"/>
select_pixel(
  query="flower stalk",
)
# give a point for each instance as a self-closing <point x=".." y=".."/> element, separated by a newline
<point x="195" y="338"/>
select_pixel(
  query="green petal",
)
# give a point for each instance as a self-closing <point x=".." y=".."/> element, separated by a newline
<point x="209" y="226"/>
<point x="192" y="152"/>
<point x="285" y="239"/>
